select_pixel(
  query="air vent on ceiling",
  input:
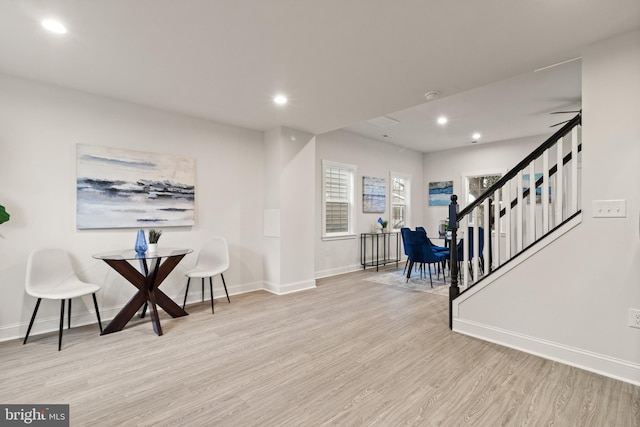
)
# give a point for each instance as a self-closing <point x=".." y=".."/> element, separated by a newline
<point x="383" y="121"/>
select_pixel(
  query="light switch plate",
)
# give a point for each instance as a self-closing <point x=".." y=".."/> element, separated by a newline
<point x="609" y="208"/>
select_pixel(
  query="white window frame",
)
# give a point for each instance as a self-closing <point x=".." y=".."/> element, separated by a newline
<point x="465" y="185"/>
<point x="350" y="233"/>
<point x="407" y="204"/>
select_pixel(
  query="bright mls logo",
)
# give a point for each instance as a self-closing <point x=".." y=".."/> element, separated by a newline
<point x="37" y="415"/>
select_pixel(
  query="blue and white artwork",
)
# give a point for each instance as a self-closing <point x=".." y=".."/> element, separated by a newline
<point x="440" y="193"/>
<point x="118" y="188"/>
<point x="374" y="193"/>
<point x="526" y="184"/>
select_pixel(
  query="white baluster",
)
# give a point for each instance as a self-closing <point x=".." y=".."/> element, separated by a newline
<point x="465" y="250"/>
<point x="559" y="190"/>
<point x="496" y="229"/>
<point x="506" y="200"/>
<point x="487" y="235"/>
<point x="531" y="226"/>
<point x="545" y="191"/>
<point x="519" y="221"/>
<point x="574" y="170"/>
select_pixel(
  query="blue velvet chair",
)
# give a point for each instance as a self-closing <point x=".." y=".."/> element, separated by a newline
<point x="420" y="251"/>
<point x="403" y="231"/>
<point x="435" y="247"/>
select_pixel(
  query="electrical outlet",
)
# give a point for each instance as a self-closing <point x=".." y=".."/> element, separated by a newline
<point x="634" y="318"/>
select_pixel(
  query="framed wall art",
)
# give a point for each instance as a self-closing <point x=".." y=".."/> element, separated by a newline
<point x="119" y="188"/>
<point x="374" y="192"/>
<point x="440" y="193"/>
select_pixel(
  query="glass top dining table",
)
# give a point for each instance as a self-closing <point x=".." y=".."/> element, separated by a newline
<point x="132" y="255"/>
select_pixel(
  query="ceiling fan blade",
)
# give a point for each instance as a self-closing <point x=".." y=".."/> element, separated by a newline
<point x="563" y="112"/>
<point x="557" y="124"/>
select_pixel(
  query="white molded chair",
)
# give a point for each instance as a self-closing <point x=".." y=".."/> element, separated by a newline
<point x="50" y="275"/>
<point x="213" y="259"/>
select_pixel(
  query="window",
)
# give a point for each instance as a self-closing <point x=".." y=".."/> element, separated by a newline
<point x="400" y="200"/>
<point x="337" y="199"/>
<point x="475" y="185"/>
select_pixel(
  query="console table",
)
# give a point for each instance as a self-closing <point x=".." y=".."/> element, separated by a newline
<point x="382" y="248"/>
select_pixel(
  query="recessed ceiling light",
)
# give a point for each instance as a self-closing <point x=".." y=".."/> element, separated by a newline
<point x="54" y="26"/>
<point x="280" y="99"/>
<point x="476" y="136"/>
<point x="442" y="120"/>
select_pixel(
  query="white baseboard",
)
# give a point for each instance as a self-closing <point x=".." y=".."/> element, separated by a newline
<point x="337" y="271"/>
<point x="288" y="288"/>
<point x="52" y="323"/>
<point x="598" y="363"/>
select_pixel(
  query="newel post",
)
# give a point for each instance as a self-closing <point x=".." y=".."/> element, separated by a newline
<point x="454" y="290"/>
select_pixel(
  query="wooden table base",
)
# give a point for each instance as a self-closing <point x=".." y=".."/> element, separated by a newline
<point x="148" y="291"/>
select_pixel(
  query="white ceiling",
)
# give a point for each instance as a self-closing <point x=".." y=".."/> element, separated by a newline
<point x="341" y="62"/>
<point x="509" y="109"/>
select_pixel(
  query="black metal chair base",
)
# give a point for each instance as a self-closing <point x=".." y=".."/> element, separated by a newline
<point x="186" y="292"/>
<point x="35" y="311"/>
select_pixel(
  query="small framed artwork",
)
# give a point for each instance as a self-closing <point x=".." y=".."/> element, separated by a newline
<point x="374" y="192"/>
<point x="440" y="193"/>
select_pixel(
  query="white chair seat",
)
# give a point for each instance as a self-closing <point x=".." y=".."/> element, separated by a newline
<point x="213" y="259"/>
<point x="67" y="289"/>
<point x="202" y="272"/>
<point x="50" y="275"/>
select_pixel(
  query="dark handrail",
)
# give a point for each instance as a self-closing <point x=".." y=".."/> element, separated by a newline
<point x="525" y="162"/>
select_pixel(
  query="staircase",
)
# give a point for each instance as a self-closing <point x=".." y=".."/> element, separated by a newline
<point x="532" y="204"/>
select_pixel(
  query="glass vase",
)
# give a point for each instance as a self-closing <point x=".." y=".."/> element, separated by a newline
<point x="141" y="243"/>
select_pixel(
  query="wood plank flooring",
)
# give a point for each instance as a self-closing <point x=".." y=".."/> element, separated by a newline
<point x="349" y="353"/>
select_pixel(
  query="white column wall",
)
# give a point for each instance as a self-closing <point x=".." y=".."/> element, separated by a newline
<point x="289" y="195"/>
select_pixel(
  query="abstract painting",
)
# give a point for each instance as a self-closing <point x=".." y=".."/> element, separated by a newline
<point x="440" y="193"/>
<point x="374" y="193"/>
<point x="119" y="188"/>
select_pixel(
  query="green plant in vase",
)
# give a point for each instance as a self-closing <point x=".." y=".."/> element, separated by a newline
<point x="154" y="236"/>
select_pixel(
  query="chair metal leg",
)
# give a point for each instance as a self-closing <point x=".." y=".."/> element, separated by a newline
<point x="33" y="317"/>
<point x="203" y="289"/>
<point x="144" y="309"/>
<point x="69" y="315"/>
<point x="61" y="324"/>
<point x="225" y="288"/>
<point x="95" y="304"/>
<point x="185" y="293"/>
<point x="211" y="290"/>
<point x="430" y="279"/>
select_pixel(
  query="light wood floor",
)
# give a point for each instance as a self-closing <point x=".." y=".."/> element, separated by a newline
<point x="349" y="353"/>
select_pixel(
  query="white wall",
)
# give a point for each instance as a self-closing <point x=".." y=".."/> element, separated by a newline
<point x="570" y="301"/>
<point x="372" y="158"/>
<point x="40" y="126"/>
